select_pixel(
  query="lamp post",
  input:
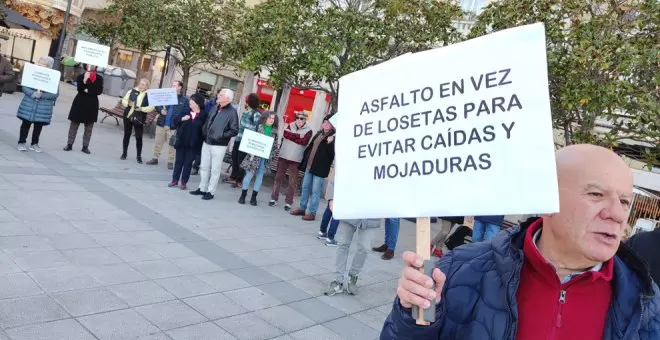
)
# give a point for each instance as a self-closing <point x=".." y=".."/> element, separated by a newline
<point x="62" y="35"/>
<point x="166" y="65"/>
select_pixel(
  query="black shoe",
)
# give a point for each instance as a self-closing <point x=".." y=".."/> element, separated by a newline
<point x="68" y="147"/>
<point x="86" y="150"/>
<point x="197" y="192"/>
<point x="123" y="157"/>
<point x="253" y="200"/>
<point x="139" y="160"/>
<point x="207" y="196"/>
<point x="241" y="200"/>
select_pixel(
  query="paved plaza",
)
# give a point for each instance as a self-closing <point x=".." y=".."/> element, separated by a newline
<point x="92" y="247"/>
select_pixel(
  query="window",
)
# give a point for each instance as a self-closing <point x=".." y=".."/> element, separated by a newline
<point x="146" y="64"/>
<point x="228" y="83"/>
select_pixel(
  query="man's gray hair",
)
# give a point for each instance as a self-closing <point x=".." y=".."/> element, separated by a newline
<point x="48" y="61"/>
<point x="229" y="93"/>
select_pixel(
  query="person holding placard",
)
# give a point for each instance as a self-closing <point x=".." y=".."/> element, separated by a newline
<point x="188" y="138"/>
<point x="316" y="163"/>
<point x="165" y="125"/>
<point x="566" y="275"/>
<point x="85" y="107"/>
<point x="255" y="166"/>
<point x="137" y="106"/>
<point x="250" y="120"/>
<point x="36" y="109"/>
<point x="296" y="138"/>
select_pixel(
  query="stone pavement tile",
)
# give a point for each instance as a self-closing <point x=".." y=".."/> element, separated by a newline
<point x="149" y="237"/>
<point x="284" y="292"/>
<point x="350" y="328"/>
<point x="185" y="286"/>
<point x="284" y="337"/>
<point x="372" y="318"/>
<point x="196" y="265"/>
<point x="28" y="310"/>
<point x="95" y="226"/>
<point x="284" y="271"/>
<point x="171" y="250"/>
<point x="202" y="331"/>
<point x="377" y="294"/>
<point x="285" y="318"/>
<point x="249" y="327"/>
<point x="141" y="293"/>
<point x="310" y="285"/>
<point x="255" y="276"/>
<point x="62" y="279"/>
<point x="52" y="227"/>
<point x="317" y="310"/>
<point x="118" y="325"/>
<point x="258" y="258"/>
<point x="215" y="306"/>
<point x="252" y="298"/>
<point x="131" y="225"/>
<point x="7" y="265"/>
<point x="317" y="332"/>
<point x="135" y="253"/>
<point x="113" y="274"/>
<point x="154" y="336"/>
<point x="223" y="281"/>
<point x="170" y="315"/>
<point x="92" y="257"/>
<point x="346" y="303"/>
<point x="25" y="243"/>
<point x="72" y="241"/>
<point x="385" y="308"/>
<point x="68" y="329"/>
<point x="17" y="285"/>
<point x="310" y="268"/>
<point x="6" y="216"/>
<point x="158" y="269"/>
<point x="114" y="239"/>
<point x="40" y="260"/>
<point x="15" y="228"/>
<point x="236" y="245"/>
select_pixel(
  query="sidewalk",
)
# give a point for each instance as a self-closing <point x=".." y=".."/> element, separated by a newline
<point x="92" y="247"/>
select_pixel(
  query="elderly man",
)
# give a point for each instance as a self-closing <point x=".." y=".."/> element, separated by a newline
<point x="220" y="126"/>
<point x="563" y="276"/>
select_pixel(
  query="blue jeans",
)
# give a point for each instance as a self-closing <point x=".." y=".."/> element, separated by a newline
<point x="392" y="232"/>
<point x="327" y="219"/>
<point x="258" y="179"/>
<point x="311" y="192"/>
<point x="484" y="231"/>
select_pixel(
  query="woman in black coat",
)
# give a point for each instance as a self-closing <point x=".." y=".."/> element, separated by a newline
<point x="188" y="140"/>
<point x="85" y="107"/>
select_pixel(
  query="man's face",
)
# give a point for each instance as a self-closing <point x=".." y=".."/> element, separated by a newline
<point x="594" y="199"/>
<point x="300" y="121"/>
<point x="42" y="63"/>
<point x="177" y="87"/>
<point x="223" y="99"/>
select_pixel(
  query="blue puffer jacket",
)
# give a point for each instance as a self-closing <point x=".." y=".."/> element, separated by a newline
<point x="479" y="297"/>
<point x="37" y="110"/>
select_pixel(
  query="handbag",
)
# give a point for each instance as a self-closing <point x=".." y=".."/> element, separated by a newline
<point x="138" y="118"/>
<point x="172" y="140"/>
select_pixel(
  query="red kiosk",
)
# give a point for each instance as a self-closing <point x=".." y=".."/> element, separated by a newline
<point x="299" y="100"/>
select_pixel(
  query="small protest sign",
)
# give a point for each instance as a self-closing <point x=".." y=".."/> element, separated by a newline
<point x="461" y="130"/>
<point x="40" y="78"/>
<point x="256" y="144"/>
<point x="162" y="97"/>
<point x="92" y="54"/>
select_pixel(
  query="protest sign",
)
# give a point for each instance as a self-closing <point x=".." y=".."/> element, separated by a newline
<point x="162" y="97"/>
<point x="256" y="144"/>
<point x="92" y="54"/>
<point x="40" y="78"/>
<point x="462" y="130"/>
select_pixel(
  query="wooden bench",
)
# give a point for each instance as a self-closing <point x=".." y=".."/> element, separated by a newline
<point x="116" y="113"/>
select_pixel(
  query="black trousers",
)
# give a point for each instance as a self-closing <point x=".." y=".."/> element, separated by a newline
<point x="198" y="158"/>
<point x="128" y="130"/>
<point x="237" y="157"/>
<point x="25" y="129"/>
<point x="183" y="164"/>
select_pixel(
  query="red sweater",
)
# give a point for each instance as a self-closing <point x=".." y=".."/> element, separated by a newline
<point x="548" y="309"/>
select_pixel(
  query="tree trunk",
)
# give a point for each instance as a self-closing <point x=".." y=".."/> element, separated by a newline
<point x="568" y="138"/>
<point x="138" y="72"/>
<point x="184" y="80"/>
<point x="334" y="101"/>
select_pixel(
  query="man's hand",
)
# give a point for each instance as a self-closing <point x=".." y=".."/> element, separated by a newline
<point x="415" y="288"/>
<point x="86" y="77"/>
<point x="36" y="94"/>
<point x="163" y="112"/>
<point x="186" y="117"/>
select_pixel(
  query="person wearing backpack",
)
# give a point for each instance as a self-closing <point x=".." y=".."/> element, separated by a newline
<point x="250" y="121"/>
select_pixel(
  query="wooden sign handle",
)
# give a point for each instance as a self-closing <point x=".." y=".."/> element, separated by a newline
<point x="423" y="245"/>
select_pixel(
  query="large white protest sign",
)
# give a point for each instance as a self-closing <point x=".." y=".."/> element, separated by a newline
<point x="462" y="130"/>
<point x="162" y="97"/>
<point x="40" y="78"/>
<point x="92" y="54"/>
<point x="257" y="144"/>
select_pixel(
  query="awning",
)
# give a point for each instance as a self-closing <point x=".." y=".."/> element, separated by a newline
<point x="15" y="20"/>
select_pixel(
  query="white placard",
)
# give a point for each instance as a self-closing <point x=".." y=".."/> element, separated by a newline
<point x="257" y="144"/>
<point x="462" y="130"/>
<point x="40" y="78"/>
<point x="92" y="54"/>
<point x="162" y="97"/>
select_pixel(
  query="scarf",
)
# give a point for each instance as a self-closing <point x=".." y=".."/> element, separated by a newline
<point x="268" y="130"/>
<point x="92" y="76"/>
<point x="315" y="147"/>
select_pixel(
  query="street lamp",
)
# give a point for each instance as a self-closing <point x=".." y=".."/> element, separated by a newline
<point x="62" y="35"/>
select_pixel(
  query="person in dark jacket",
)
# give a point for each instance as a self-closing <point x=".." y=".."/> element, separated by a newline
<point x="85" y="107"/>
<point x="255" y="166"/>
<point x="318" y="158"/>
<point x="7" y="74"/>
<point x="36" y="109"/>
<point x="137" y="106"/>
<point x="566" y="275"/>
<point x="220" y="126"/>
<point x="486" y="227"/>
<point x="165" y="127"/>
<point x="188" y="138"/>
<point x="647" y="245"/>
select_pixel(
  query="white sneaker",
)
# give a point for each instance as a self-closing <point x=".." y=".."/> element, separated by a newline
<point x="21" y="147"/>
<point x="36" y="148"/>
